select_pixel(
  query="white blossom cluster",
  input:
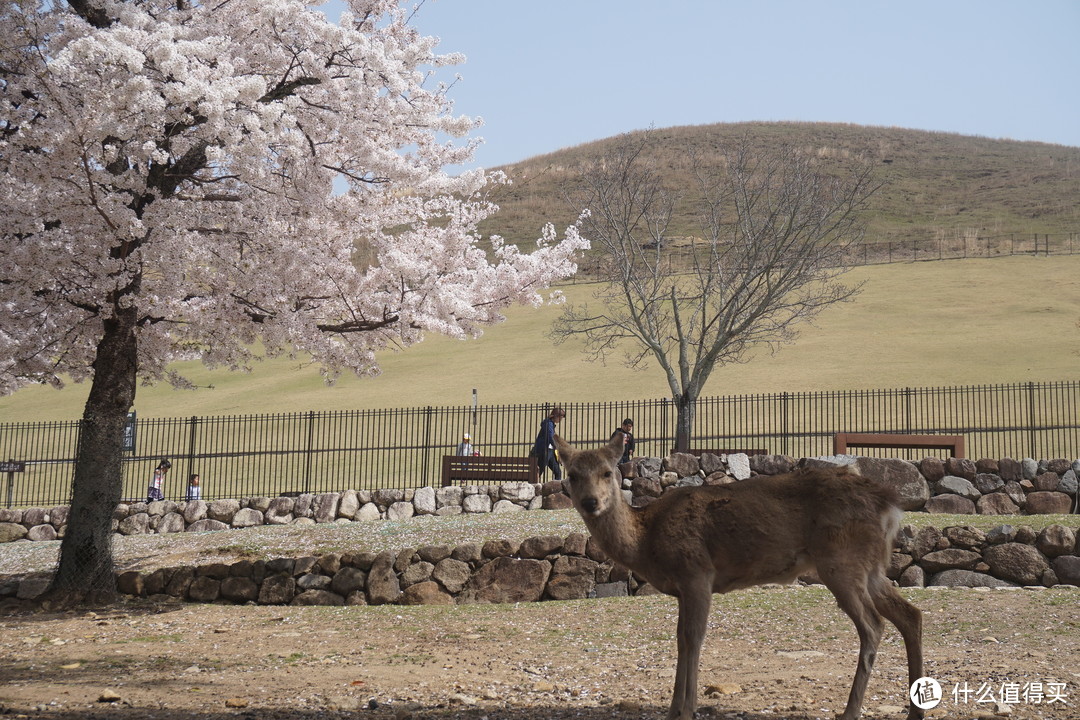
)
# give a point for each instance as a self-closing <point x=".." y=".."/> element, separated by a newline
<point x="243" y="173"/>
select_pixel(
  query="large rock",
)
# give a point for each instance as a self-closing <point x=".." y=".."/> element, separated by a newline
<point x="572" y="578"/>
<point x="247" y="517"/>
<point x="476" y="503"/>
<point x="540" y="547"/>
<point x="348" y="504"/>
<point x="195" y="510"/>
<point x="1048" y="503"/>
<point x="206" y="525"/>
<point x="171" y="523"/>
<point x="508" y="580"/>
<point x="137" y="524"/>
<point x="450" y="495"/>
<point x="239" y="589"/>
<point x="772" y="464"/>
<point x="277" y="590"/>
<point x="739" y="466"/>
<point x="1016" y="562"/>
<point x="223" y="510"/>
<point x="400" y="511"/>
<point x="957" y="486"/>
<point x="9" y="532"/>
<point x="325" y="507"/>
<point x="1046" y="482"/>
<point x="204" y="589"/>
<point x="997" y="503"/>
<point x="932" y="468"/>
<point x="280" y="511"/>
<point x="961" y="467"/>
<point x="987" y="483"/>
<point x="43" y="532"/>
<point x="950" y="505"/>
<point x="967" y="578"/>
<point x="1010" y="470"/>
<point x="367" y="512"/>
<point x="950" y="559"/>
<point x="682" y="464"/>
<point x="558" y="501"/>
<point x="900" y="475"/>
<point x="426" y="593"/>
<point x="452" y="574"/>
<point x="382" y="582"/>
<point x="1054" y="540"/>
<point x="517" y="492"/>
<point x="424" y="501"/>
<point x="318" y="597"/>
<point x="1067" y="569"/>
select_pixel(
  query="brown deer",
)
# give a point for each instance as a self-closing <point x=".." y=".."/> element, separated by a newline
<point x="696" y="541"/>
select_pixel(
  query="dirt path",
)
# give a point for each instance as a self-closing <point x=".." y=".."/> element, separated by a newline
<point x="771" y="653"/>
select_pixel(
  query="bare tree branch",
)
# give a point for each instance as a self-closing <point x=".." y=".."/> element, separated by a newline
<point x="774" y="226"/>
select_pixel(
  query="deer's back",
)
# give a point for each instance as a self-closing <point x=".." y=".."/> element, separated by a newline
<point x="771" y="528"/>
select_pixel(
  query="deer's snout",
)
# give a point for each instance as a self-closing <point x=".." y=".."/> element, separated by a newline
<point x="589" y="504"/>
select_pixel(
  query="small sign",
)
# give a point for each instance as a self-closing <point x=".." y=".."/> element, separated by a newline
<point x="12" y="467"/>
<point x="130" y="430"/>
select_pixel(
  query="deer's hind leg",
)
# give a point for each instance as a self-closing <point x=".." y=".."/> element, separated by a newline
<point x="908" y="620"/>
<point x="853" y="597"/>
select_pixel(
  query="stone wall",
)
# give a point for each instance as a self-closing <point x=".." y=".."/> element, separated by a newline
<point x="954" y="486"/>
<point x="561" y="568"/>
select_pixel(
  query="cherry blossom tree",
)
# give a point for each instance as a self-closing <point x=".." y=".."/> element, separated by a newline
<point x="186" y="178"/>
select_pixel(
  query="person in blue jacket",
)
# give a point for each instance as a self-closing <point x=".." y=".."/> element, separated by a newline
<point x="544" y="446"/>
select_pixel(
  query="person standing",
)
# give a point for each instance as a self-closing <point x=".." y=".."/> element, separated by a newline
<point x="157" y="482"/>
<point x="464" y="447"/>
<point x="627" y="431"/>
<point x="544" y="445"/>
<point x="194" y="488"/>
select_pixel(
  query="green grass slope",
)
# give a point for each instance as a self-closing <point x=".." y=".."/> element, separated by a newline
<point x="923" y="324"/>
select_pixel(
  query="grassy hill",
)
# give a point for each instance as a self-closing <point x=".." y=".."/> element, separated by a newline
<point x="955" y="322"/>
<point x="922" y="324"/>
<point x="940" y="186"/>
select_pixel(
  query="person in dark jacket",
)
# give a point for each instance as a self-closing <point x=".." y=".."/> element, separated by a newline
<point x="544" y="446"/>
<point x="627" y="431"/>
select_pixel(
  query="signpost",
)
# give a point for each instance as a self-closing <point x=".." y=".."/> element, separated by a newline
<point x="11" y="467"/>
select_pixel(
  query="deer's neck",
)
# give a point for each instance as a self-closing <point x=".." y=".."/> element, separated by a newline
<point x="619" y="532"/>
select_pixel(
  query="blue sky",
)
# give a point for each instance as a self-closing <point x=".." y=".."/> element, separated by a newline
<point x="548" y="74"/>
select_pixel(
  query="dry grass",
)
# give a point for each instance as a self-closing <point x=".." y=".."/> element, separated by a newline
<point x="957" y="322"/>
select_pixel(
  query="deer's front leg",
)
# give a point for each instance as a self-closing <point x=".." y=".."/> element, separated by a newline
<point x="694" y="602"/>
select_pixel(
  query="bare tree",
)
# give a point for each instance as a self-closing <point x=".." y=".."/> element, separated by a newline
<point x="774" y="225"/>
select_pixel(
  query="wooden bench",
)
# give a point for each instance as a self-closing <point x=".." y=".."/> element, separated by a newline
<point x="488" y="470"/>
<point x="953" y="443"/>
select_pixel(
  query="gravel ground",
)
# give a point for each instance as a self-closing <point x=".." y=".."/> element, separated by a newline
<point x="771" y="652"/>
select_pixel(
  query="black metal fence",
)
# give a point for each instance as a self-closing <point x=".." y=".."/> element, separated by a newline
<point x="251" y="455"/>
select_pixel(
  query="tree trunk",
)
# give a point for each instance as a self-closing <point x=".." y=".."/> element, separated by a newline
<point x="684" y="421"/>
<point x="85" y="572"/>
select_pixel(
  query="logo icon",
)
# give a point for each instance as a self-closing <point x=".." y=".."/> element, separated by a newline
<point x="925" y="693"/>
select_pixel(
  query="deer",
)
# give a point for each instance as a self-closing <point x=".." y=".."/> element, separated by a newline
<point x="695" y="541"/>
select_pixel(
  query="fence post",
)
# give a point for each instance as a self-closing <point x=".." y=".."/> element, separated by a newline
<point x="309" y="451"/>
<point x="427" y="446"/>
<point x="193" y="429"/>
<point x="1031" y="420"/>
<point x="784" y="425"/>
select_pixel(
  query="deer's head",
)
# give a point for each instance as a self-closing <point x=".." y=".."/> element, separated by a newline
<point x="592" y="475"/>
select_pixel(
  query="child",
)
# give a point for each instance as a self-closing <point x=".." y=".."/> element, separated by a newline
<point x="194" y="492"/>
<point x="158" y="481"/>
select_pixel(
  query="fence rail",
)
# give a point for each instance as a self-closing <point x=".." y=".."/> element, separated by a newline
<point x="253" y="455"/>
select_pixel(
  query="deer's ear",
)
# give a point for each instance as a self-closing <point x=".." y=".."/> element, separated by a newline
<point x="614" y="448"/>
<point x="565" y="451"/>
